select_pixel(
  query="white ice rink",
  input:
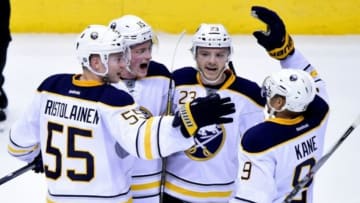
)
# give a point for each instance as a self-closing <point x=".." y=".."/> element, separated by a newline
<point x="33" y="57"/>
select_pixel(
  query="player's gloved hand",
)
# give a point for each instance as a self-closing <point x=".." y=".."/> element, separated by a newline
<point x="275" y="39"/>
<point x="39" y="166"/>
<point x="203" y="111"/>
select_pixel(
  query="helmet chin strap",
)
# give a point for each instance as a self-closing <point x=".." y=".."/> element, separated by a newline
<point x="98" y="73"/>
<point x="270" y="112"/>
<point x="127" y="54"/>
<point x="130" y="74"/>
<point x="104" y="75"/>
<point x="211" y="82"/>
<point x="130" y="71"/>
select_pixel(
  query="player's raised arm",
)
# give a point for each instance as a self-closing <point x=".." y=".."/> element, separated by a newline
<point x="279" y="45"/>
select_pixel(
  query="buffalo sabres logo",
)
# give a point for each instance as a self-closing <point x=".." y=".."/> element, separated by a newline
<point x="94" y="35"/>
<point x="208" y="142"/>
<point x="293" y="77"/>
<point x="113" y="25"/>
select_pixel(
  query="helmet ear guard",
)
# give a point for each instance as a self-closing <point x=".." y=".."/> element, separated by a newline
<point x="102" y="41"/>
<point x="296" y="86"/>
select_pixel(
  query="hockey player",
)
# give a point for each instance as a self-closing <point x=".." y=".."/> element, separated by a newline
<point x="83" y="128"/>
<point x="207" y="171"/>
<point x="214" y="156"/>
<point x="278" y="153"/>
<point x="148" y="82"/>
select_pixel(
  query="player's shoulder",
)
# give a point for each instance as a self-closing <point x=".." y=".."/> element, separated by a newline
<point x="185" y="71"/>
<point x="158" y="69"/>
<point x="267" y="135"/>
<point x="317" y="110"/>
<point x="63" y="84"/>
<point x="51" y="82"/>
<point x="185" y="76"/>
<point x="248" y="88"/>
<point x="113" y="96"/>
<point x="276" y="131"/>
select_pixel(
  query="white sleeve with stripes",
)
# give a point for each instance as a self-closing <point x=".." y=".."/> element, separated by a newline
<point x="147" y="138"/>
<point x="298" y="61"/>
<point x="24" y="137"/>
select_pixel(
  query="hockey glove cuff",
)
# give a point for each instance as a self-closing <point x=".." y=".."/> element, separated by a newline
<point x="203" y="111"/>
<point x="275" y="39"/>
<point x="187" y="119"/>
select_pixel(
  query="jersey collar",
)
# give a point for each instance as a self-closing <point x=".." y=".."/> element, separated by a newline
<point x="85" y="83"/>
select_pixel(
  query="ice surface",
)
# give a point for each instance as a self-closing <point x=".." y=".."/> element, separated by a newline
<point x="33" y="57"/>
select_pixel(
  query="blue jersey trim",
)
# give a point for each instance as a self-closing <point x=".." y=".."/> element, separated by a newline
<point x="269" y="134"/>
<point x="158" y="69"/>
<point x="63" y="84"/>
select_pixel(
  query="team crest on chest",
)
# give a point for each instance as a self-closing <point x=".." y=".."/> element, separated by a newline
<point x="208" y="142"/>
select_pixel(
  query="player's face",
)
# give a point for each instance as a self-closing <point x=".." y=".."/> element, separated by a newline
<point x="140" y="59"/>
<point x="211" y="61"/>
<point x="116" y="63"/>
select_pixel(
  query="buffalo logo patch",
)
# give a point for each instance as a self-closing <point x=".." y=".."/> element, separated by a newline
<point x="208" y="142"/>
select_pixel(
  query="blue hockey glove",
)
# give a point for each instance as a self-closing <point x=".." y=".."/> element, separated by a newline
<point x="203" y="111"/>
<point x="275" y="39"/>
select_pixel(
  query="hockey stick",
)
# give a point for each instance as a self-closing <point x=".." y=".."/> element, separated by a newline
<point x="321" y="162"/>
<point x="168" y="112"/>
<point x="169" y="98"/>
<point x="16" y="173"/>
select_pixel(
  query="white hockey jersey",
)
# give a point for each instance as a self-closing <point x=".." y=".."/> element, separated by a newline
<point x="151" y="93"/>
<point x="77" y="125"/>
<point x="278" y="153"/>
<point x="207" y="171"/>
